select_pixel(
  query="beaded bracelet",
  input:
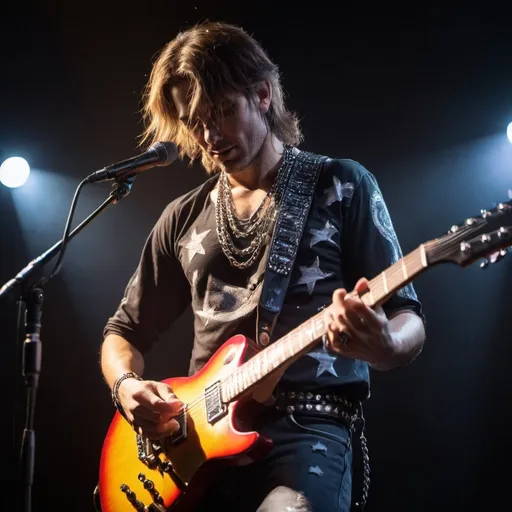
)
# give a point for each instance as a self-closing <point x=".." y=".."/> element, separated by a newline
<point x="115" y="389"/>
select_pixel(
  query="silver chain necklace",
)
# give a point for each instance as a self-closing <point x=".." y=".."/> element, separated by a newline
<point x="243" y="239"/>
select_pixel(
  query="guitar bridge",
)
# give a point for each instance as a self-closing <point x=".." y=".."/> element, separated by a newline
<point x="181" y="433"/>
<point x="148" y="451"/>
<point x="215" y="409"/>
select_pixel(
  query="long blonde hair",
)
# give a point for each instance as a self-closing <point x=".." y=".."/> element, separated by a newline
<point x="215" y="58"/>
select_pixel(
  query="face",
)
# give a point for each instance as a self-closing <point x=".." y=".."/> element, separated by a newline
<point x="234" y="140"/>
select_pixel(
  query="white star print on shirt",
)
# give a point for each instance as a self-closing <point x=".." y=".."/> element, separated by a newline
<point x="326" y="233"/>
<point x="194" y="243"/>
<point x="338" y="191"/>
<point x="223" y="303"/>
<point x="325" y="361"/>
<point x="312" y="274"/>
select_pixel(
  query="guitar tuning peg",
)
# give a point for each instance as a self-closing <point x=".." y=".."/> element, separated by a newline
<point x="484" y="264"/>
<point x="498" y="255"/>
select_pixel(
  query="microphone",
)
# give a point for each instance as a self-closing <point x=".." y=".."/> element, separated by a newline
<point x="159" y="154"/>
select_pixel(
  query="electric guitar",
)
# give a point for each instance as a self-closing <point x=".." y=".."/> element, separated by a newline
<point x="170" y="474"/>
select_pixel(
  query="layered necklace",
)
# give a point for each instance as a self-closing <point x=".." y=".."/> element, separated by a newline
<point x="243" y="239"/>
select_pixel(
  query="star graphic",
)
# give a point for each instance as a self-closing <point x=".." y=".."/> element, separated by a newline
<point x="326" y="233"/>
<point x="325" y="361"/>
<point x="310" y="275"/>
<point x="338" y="191"/>
<point x="315" y="470"/>
<point x="319" y="447"/>
<point x="194" y="243"/>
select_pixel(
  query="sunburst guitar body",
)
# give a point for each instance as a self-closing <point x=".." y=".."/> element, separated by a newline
<point x="139" y="474"/>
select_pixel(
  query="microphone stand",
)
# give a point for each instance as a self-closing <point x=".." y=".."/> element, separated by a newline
<point x="30" y="291"/>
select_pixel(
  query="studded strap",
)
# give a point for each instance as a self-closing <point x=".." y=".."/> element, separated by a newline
<point x="288" y="231"/>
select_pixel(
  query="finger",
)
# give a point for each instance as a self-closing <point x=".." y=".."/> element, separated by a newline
<point x="148" y="414"/>
<point x="165" y="401"/>
<point x="338" y="309"/>
<point x="356" y="321"/>
<point x="360" y="315"/>
<point x="338" y="343"/>
<point x="165" y="392"/>
<point x="335" y="333"/>
<point x="155" y="431"/>
<point x="362" y="286"/>
<point x="339" y="320"/>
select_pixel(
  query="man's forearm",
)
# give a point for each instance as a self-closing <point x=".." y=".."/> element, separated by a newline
<point x="408" y="334"/>
<point x="119" y="356"/>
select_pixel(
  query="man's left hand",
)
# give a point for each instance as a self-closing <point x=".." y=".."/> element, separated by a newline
<point x="356" y="330"/>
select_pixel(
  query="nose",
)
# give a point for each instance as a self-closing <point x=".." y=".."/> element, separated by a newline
<point x="212" y="134"/>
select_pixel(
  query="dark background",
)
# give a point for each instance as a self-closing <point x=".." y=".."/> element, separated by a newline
<point x="421" y="97"/>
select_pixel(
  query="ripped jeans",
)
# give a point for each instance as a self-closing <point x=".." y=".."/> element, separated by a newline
<point x="309" y="469"/>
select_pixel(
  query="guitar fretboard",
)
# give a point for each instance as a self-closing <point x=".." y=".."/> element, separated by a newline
<point x="302" y="339"/>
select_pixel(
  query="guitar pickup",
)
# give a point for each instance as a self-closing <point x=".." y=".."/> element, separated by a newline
<point x="215" y="409"/>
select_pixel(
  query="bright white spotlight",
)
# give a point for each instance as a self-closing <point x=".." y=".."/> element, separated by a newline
<point x="14" y="172"/>
<point x="509" y="132"/>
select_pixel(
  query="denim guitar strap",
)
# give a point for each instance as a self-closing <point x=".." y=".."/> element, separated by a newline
<point x="288" y="232"/>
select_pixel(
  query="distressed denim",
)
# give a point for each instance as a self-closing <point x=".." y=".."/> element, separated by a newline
<point x="308" y="469"/>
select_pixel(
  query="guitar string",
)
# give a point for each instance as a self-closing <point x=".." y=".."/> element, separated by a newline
<point x="441" y="247"/>
<point x="392" y="272"/>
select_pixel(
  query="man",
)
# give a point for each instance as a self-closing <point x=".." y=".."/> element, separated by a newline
<point x="215" y="93"/>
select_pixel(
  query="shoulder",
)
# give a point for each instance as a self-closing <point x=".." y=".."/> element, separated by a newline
<point x="344" y="169"/>
<point x="347" y="170"/>
<point x="184" y="204"/>
<point x="341" y="179"/>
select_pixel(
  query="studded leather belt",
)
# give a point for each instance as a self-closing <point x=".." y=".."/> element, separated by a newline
<point x="324" y="404"/>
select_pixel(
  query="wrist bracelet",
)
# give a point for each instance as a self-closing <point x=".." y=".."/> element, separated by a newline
<point x="115" y="389"/>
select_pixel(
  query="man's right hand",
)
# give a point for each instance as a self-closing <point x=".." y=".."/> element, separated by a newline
<point x="150" y="407"/>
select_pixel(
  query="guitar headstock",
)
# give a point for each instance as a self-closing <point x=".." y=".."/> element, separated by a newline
<point x="488" y="235"/>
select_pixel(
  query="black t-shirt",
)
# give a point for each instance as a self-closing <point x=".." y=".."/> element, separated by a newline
<point x="349" y="234"/>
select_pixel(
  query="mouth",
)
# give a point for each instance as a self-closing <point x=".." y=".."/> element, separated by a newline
<point x="221" y="154"/>
<point x="220" y="151"/>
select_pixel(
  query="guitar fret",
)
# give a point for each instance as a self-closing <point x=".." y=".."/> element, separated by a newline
<point x="372" y="297"/>
<point x="259" y="367"/>
<point x="235" y="382"/>
<point x="290" y="344"/>
<point x="226" y="387"/>
<point x="423" y="256"/>
<point x="283" y="353"/>
<point x="250" y="374"/>
<point x="239" y="385"/>
<point x="319" y="326"/>
<point x="385" y="282"/>
<point x="404" y="269"/>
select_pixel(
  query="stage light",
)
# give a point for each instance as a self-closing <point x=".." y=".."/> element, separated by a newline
<point x="509" y="132"/>
<point x="14" y="172"/>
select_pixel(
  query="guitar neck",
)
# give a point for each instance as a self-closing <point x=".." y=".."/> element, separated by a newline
<point x="302" y="339"/>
